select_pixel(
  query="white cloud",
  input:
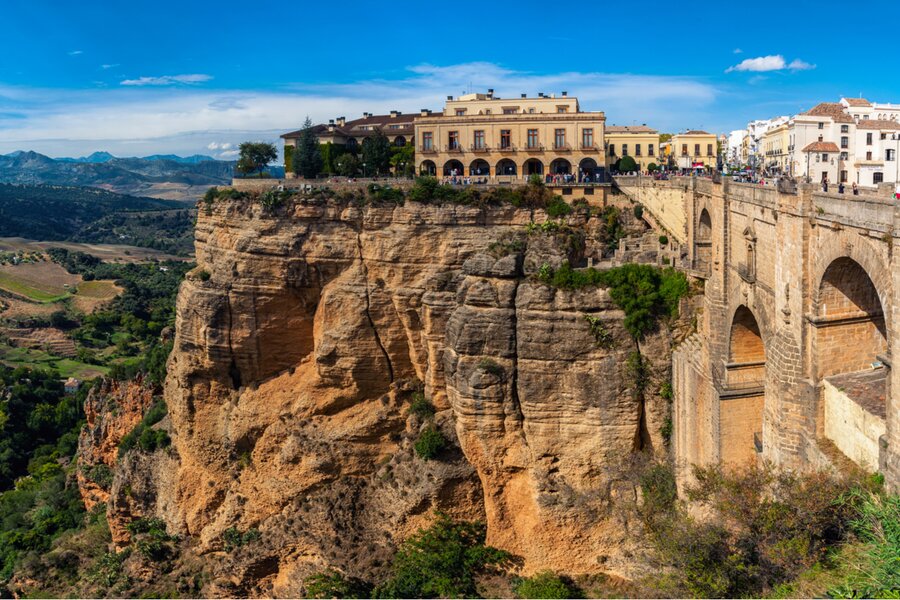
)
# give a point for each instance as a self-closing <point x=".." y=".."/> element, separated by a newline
<point x="737" y="51"/>
<point x="773" y="62"/>
<point x="110" y="66"/>
<point x="76" y="52"/>
<point x="163" y="118"/>
<point x="228" y="154"/>
<point x="168" y="80"/>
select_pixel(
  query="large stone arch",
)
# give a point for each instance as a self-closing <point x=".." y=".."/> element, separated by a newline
<point x="427" y="167"/>
<point x="742" y="400"/>
<point x="506" y="167"/>
<point x="453" y="167"/>
<point x="532" y="166"/>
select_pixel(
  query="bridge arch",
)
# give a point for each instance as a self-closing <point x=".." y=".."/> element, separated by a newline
<point x="851" y="328"/>
<point x="743" y="397"/>
<point x="703" y="243"/>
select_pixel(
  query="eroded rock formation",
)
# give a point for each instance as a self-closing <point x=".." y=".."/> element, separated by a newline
<point x="300" y="338"/>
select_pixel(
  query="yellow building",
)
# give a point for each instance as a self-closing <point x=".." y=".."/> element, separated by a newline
<point x="481" y="135"/>
<point x="694" y="148"/>
<point x="774" y="147"/>
<point x="639" y="142"/>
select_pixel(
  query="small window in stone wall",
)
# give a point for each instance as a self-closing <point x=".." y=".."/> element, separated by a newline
<point x="588" y="191"/>
<point x="567" y="191"/>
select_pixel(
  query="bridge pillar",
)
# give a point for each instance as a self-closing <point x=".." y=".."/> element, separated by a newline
<point x="889" y="445"/>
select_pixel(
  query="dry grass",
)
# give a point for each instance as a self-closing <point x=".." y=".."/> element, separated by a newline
<point x="93" y="294"/>
<point x="106" y="252"/>
<point x="40" y="282"/>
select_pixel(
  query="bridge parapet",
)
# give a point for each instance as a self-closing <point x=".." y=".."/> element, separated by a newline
<point x="866" y="212"/>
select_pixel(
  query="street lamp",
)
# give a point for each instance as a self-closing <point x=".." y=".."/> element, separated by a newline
<point x="364" y="170"/>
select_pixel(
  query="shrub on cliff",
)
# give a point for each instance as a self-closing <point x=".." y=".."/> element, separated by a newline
<point x="546" y="584"/>
<point x="143" y="435"/>
<point x="764" y="527"/>
<point x="420" y="406"/>
<point x="430" y="443"/>
<point x="334" y="584"/>
<point x="442" y="562"/>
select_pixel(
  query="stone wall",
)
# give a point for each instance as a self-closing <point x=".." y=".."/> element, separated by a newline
<point x="853" y="429"/>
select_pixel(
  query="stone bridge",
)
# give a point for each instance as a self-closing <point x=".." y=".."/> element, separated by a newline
<point x="791" y="361"/>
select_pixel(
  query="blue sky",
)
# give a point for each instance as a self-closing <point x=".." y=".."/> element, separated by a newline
<point x="137" y="78"/>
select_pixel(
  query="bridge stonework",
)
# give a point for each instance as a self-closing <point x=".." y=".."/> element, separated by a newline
<point x="799" y="287"/>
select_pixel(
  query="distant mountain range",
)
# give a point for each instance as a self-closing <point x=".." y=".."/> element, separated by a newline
<point x="161" y="176"/>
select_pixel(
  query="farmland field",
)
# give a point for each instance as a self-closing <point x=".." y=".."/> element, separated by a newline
<point x="38" y="359"/>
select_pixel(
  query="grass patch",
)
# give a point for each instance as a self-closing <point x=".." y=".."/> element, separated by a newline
<point x="29" y="289"/>
<point x="38" y="359"/>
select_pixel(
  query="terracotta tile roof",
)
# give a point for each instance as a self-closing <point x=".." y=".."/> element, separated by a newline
<point x="834" y="110"/>
<point x="629" y="129"/>
<point x="822" y="147"/>
<point x="879" y="124"/>
<point x="357" y="127"/>
<point x="696" y="132"/>
<point x="857" y="102"/>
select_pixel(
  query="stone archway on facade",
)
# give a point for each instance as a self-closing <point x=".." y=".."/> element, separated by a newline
<point x="428" y="168"/>
<point x="453" y="167"/>
<point x="480" y="168"/>
<point x="742" y="400"/>
<point x="587" y="167"/>
<point x="533" y="166"/>
<point x="703" y="243"/>
<point x="400" y="141"/>
<point x="506" y="167"/>
<point x="560" y="166"/>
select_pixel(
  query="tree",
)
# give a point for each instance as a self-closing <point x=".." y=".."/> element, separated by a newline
<point x="307" y="154"/>
<point x="376" y="154"/>
<point x="347" y="165"/>
<point x="255" y="156"/>
<point x="403" y="160"/>
<point x="627" y="164"/>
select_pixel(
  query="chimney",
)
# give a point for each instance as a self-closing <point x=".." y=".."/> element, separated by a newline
<point x="394" y="114"/>
<point x="524" y="96"/>
<point x="366" y="115"/>
<point x="341" y="121"/>
<point x="540" y="94"/>
<point x="331" y="121"/>
<point x="424" y="113"/>
<point x="449" y="97"/>
<point x="565" y="93"/>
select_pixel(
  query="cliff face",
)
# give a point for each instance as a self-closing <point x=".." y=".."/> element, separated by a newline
<point x="295" y="357"/>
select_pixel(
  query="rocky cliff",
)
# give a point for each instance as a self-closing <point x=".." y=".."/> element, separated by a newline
<point x="301" y="337"/>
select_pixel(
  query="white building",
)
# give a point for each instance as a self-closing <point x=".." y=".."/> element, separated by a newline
<point x="877" y="144"/>
<point x="734" y="147"/>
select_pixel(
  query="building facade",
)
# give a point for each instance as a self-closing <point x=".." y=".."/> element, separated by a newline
<point x="398" y="128"/>
<point x="637" y="141"/>
<point x="694" y="149"/>
<point x="481" y="135"/>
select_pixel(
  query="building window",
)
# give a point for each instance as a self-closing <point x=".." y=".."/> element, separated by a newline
<point x="869" y="155"/>
<point x="824" y="157"/>
<point x="612" y="149"/>
<point x="845" y="142"/>
<point x="844" y="156"/>
<point x="890" y="154"/>
<point x="460" y="112"/>
<point x="562" y="109"/>
<point x="427" y="140"/>
<point x="453" y="140"/>
<point x="696" y="149"/>
<point x="821" y="125"/>
<point x="709" y="151"/>
<point x="510" y="111"/>
<point x="843" y="176"/>
<point x="532" y="138"/>
<point x="845" y="129"/>
<point x="650" y="150"/>
<point x="505" y="138"/>
<point x="530" y="111"/>
<point x="559" y="138"/>
<point x="684" y="150"/>
<point x="624" y="149"/>
<point x="587" y="138"/>
<point x="479" y="138"/>
<point x="637" y="149"/>
<point x="869" y="139"/>
<point x="877" y="177"/>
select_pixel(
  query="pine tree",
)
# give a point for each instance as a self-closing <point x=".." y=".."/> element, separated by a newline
<point x="307" y="155"/>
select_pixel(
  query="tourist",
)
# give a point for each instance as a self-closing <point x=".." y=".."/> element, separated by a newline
<point x="841" y="187"/>
<point x="855" y="189"/>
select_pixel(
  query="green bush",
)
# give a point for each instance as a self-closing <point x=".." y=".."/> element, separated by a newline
<point x="638" y="211"/>
<point x="203" y="275"/>
<point x="232" y="538"/>
<point x="421" y="406"/>
<point x="430" y="443"/>
<point x="627" y="164"/>
<point x="490" y="366"/>
<point x="558" y="207"/>
<point x="143" y="435"/>
<point x="663" y="240"/>
<point x="152" y="540"/>
<point x="602" y="336"/>
<point x="545" y="584"/>
<point x="442" y="561"/>
<point x="334" y="584"/>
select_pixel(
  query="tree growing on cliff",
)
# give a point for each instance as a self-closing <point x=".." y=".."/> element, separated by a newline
<point x="376" y="154"/>
<point x="347" y="165"/>
<point x="308" y="154"/>
<point x="255" y="157"/>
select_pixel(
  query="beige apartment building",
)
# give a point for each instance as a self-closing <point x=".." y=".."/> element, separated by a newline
<point x="775" y="147"/>
<point x="481" y="135"/>
<point x="637" y="141"/>
<point x="694" y="149"/>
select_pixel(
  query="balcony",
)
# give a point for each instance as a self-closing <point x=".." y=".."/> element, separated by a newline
<point x="562" y="147"/>
<point x="535" y="148"/>
<point x="589" y="148"/>
<point x="479" y="148"/>
<point x="453" y="148"/>
<point x="427" y="150"/>
<point x="508" y="148"/>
